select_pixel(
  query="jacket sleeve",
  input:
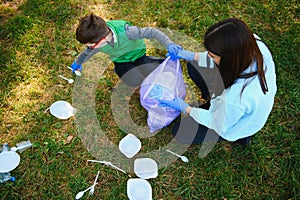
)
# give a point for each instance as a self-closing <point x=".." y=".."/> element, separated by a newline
<point x="85" y="55"/>
<point x="221" y="115"/>
<point x="135" y="33"/>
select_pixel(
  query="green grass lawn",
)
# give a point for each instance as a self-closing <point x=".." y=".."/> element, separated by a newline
<point x="37" y="43"/>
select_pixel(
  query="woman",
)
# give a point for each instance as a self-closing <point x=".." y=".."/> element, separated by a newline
<point x="244" y="97"/>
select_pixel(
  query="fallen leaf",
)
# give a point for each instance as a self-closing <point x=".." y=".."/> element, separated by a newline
<point x="127" y="98"/>
<point x="69" y="139"/>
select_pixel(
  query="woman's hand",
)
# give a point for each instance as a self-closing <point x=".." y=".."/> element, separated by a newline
<point x="177" y="104"/>
<point x="185" y="54"/>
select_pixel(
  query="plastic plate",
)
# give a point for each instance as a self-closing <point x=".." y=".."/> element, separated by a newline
<point x="9" y="160"/>
<point x="62" y="109"/>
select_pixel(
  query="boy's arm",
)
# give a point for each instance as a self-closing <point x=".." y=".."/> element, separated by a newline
<point x="85" y="55"/>
<point x="134" y="33"/>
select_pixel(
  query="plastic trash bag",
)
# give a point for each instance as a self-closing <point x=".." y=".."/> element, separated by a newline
<point x="165" y="82"/>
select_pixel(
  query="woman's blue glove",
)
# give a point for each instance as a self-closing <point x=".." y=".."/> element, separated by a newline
<point x="185" y="54"/>
<point x="173" y="50"/>
<point x="177" y="104"/>
<point x="75" y="67"/>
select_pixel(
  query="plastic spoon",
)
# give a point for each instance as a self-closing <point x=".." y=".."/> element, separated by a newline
<point x="108" y="164"/>
<point x="81" y="193"/>
<point x="95" y="181"/>
<point x="78" y="73"/>
<point x="69" y="80"/>
<point x="183" y="158"/>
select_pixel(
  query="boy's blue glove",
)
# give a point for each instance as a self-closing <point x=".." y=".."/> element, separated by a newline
<point x="173" y="50"/>
<point x="185" y="54"/>
<point x="75" y="67"/>
<point x="177" y="104"/>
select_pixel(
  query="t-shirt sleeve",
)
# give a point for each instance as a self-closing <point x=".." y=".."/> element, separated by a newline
<point x="205" y="61"/>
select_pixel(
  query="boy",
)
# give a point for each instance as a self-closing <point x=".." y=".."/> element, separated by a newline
<point x="123" y="43"/>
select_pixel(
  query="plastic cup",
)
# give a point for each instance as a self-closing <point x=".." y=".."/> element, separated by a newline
<point x="139" y="189"/>
<point x="145" y="168"/>
<point x="130" y="145"/>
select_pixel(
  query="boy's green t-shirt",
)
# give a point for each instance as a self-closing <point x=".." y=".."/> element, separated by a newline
<point x="124" y="50"/>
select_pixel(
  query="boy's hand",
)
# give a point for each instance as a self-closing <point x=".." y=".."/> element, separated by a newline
<point x="75" y="67"/>
<point x="173" y="50"/>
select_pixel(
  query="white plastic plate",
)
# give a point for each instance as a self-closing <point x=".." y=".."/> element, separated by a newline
<point x="139" y="189"/>
<point x="9" y="160"/>
<point x="62" y="109"/>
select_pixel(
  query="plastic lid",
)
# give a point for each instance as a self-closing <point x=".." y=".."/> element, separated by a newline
<point x="62" y="110"/>
<point x="130" y="145"/>
<point x="9" y="160"/>
<point x="139" y="189"/>
<point x="145" y="168"/>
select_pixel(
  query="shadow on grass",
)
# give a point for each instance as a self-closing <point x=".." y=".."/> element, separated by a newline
<point x="22" y="28"/>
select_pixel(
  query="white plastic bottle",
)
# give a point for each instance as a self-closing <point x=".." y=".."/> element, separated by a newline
<point x="4" y="177"/>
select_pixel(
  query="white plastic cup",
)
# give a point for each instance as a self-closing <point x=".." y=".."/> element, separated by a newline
<point x="145" y="168"/>
<point x="139" y="189"/>
<point x="130" y="145"/>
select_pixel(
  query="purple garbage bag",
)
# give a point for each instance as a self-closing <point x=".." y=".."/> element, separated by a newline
<point x="165" y="82"/>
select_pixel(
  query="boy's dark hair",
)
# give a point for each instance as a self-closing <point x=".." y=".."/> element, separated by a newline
<point x="91" y="29"/>
<point x="233" y="40"/>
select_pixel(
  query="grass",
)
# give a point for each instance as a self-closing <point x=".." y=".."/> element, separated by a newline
<point x="37" y="43"/>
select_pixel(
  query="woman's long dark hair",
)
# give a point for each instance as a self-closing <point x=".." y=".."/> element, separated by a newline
<point x="234" y="42"/>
